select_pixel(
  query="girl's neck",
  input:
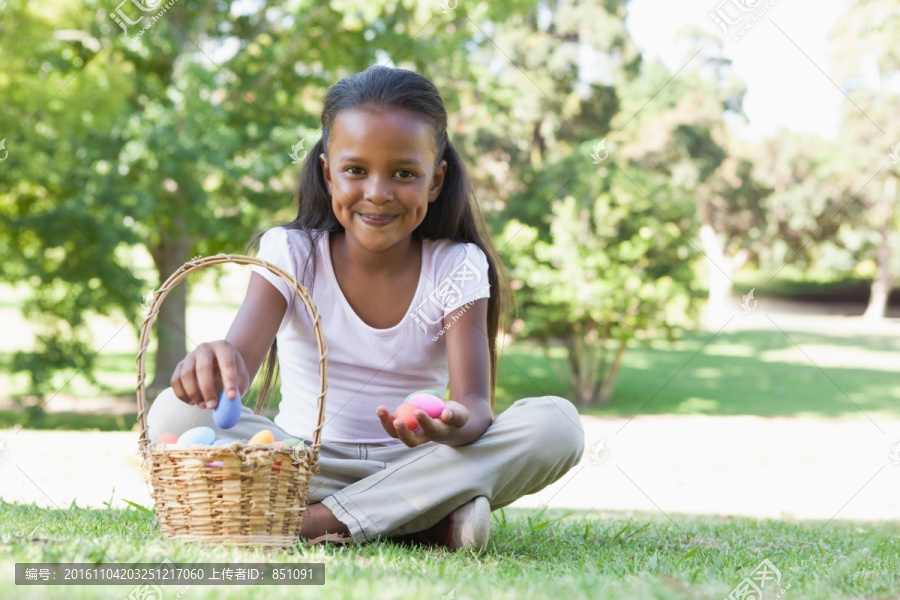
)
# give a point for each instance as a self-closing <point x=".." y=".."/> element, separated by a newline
<point x="395" y="259"/>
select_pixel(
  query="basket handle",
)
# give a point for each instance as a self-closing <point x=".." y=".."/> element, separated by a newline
<point x="175" y="279"/>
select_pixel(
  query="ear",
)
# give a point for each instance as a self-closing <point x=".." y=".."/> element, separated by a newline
<point x="437" y="182"/>
<point x="326" y="173"/>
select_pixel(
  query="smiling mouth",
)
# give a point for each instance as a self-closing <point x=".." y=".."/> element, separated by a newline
<point x="377" y="217"/>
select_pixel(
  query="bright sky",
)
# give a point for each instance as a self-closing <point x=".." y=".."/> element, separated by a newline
<point x="784" y="89"/>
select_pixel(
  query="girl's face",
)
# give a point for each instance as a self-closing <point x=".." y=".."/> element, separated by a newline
<point x="381" y="174"/>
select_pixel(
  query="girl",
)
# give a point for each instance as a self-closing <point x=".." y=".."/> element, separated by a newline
<point x="393" y="248"/>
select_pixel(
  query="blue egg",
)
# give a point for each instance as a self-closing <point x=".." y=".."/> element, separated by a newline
<point x="227" y="412"/>
<point x="197" y="435"/>
<point x="223" y="442"/>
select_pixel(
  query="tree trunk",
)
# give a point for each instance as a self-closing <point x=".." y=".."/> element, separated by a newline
<point x="609" y="382"/>
<point x="721" y="274"/>
<point x="581" y="377"/>
<point x="537" y="147"/>
<point x="172" y="251"/>
<point x="881" y="285"/>
<point x="591" y="382"/>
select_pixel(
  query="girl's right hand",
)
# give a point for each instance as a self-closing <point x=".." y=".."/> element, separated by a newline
<point x="210" y="368"/>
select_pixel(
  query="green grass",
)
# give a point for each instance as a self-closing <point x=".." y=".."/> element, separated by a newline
<point x="532" y="554"/>
<point x="824" y="288"/>
<point x="66" y="421"/>
<point x="115" y="374"/>
<point x="753" y="372"/>
<point x="759" y="373"/>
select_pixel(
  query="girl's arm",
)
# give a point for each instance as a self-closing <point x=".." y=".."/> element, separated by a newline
<point x="468" y="413"/>
<point x="236" y="359"/>
<point x="469" y="362"/>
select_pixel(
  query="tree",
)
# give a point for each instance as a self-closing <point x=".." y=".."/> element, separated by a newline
<point x="541" y="100"/>
<point x="683" y="136"/>
<point x="175" y="138"/>
<point x="808" y="203"/>
<point x="867" y="61"/>
<point x="55" y="233"/>
<point x="593" y="279"/>
<point x="615" y="267"/>
<point x="733" y="226"/>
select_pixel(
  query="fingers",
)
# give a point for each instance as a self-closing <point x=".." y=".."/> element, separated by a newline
<point x="453" y="417"/>
<point x="209" y="368"/>
<point x="384" y="415"/>
<point x="177" y="388"/>
<point x="227" y="359"/>
<point x="455" y="414"/>
<point x="396" y="428"/>
<point x="408" y="437"/>
<point x="206" y="374"/>
<point x="184" y="381"/>
<point x="432" y="429"/>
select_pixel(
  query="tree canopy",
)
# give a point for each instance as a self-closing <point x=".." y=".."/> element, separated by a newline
<point x="613" y="186"/>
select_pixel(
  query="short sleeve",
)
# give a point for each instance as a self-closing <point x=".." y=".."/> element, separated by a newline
<point x="466" y="278"/>
<point x="275" y="247"/>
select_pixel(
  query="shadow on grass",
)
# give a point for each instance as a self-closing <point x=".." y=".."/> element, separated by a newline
<point x="763" y="373"/>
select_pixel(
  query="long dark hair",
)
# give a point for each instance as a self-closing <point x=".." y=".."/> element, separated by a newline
<point x="455" y="214"/>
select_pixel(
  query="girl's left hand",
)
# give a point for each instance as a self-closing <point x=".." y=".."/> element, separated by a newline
<point x="455" y="416"/>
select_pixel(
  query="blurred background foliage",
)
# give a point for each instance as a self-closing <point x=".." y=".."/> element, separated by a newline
<point x="175" y="141"/>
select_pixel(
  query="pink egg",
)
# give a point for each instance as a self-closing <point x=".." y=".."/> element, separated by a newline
<point x="215" y="464"/>
<point x="432" y="405"/>
<point x="167" y="438"/>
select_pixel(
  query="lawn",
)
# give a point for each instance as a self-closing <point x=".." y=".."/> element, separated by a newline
<point x="748" y="372"/>
<point x="532" y="554"/>
<point x="553" y="553"/>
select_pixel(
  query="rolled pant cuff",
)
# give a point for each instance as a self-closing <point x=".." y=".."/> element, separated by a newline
<point x="357" y="524"/>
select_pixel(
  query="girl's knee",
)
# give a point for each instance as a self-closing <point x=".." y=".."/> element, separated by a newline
<point x="553" y="425"/>
<point x="550" y="413"/>
<point x="168" y="414"/>
<point x="567" y="409"/>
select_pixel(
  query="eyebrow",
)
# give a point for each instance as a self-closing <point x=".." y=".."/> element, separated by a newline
<point x="399" y="161"/>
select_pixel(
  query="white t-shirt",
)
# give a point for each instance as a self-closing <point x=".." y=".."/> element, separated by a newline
<point x="366" y="366"/>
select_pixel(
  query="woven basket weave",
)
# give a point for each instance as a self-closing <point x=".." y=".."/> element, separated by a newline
<point x="258" y="497"/>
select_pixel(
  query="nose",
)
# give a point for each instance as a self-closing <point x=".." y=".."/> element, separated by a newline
<point x="378" y="191"/>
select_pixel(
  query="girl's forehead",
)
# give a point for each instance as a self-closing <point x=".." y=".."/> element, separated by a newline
<point x="356" y="125"/>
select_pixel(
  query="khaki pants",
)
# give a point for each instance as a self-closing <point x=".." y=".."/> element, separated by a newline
<point x="380" y="490"/>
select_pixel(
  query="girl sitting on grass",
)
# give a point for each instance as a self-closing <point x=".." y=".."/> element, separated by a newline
<point x="395" y="252"/>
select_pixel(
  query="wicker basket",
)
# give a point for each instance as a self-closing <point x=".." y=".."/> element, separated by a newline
<point x="258" y="497"/>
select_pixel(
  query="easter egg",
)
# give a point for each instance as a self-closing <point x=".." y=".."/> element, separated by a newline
<point x="432" y="405"/>
<point x="278" y="444"/>
<point x="197" y="435"/>
<point x="262" y="437"/>
<point x="430" y="392"/>
<point x="223" y="442"/>
<point x="406" y="412"/>
<point x="294" y="442"/>
<point x="167" y="438"/>
<point x="227" y="412"/>
<point x="215" y="464"/>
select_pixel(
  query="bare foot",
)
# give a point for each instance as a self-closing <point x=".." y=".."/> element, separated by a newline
<point x="319" y="520"/>
<point x="436" y="535"/>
